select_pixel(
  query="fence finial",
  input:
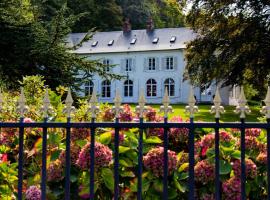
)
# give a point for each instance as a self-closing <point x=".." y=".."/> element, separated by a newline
<point x="46" y="108"/>
<point x="1" y="100"/>
<point x="93" y="108"/>
<point x="69" y="109"/>
<point x="141" y="108"/>
<point x="217" y="108"/>
<point x="166" y="108"/>
<point x="266" y="109"/>
<point x="242" y="108"/>
<point x="191" y="108"/>
<point x="22" y="108"/>
<point x="117" y="109"/>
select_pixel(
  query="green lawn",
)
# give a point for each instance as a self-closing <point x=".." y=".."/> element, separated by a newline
<point x="204" y="114"/>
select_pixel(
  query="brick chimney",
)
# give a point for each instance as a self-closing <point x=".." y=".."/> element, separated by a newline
<point x="150" y="25"/>
<point x="126" y="26"/>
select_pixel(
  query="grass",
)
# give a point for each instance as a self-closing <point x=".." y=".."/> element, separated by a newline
<point x="205" y="115"/>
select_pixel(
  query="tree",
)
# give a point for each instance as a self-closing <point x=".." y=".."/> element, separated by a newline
<point x="233" y="42"/>
<point x="31" y="46"/>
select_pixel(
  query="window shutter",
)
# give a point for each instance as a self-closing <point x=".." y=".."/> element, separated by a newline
<point x="175" y="63"/>
<point x="145" y="68"/>
<point x="157" y="63"/>
<point x="163" y="67"/>
<point x="133" y="65"/>
<point x="122" y="65"/>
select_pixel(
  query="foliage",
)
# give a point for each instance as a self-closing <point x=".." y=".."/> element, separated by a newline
<point x="232" y="46"/>
<point x="128" y="155"/>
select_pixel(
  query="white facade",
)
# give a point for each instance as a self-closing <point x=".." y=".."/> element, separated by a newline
<point x="152" y="68"/>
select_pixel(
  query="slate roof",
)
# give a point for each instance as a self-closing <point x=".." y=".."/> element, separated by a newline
<point x="144" y="40"/>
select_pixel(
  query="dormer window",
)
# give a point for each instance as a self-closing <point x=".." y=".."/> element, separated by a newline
<point x="94" y="43"/>
<point x="155" y="40"/>
<point x="133" y="41"/>
<point x="110" y="42"/>
<point x="173" y="38"/>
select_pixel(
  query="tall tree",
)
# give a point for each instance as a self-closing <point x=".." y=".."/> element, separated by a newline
<point x="233" y="42"/>
<point x="30" y="46"/>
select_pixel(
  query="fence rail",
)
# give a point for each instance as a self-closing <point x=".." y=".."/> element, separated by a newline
<point x="217" y="109"/>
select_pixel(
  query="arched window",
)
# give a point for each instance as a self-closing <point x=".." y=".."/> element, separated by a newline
<point x="151" y="88"/>
<point x="128" y="88"/>
<point x="106" y="88"/>
<point x="88" y="88"/>
<point x="169" y="84"/>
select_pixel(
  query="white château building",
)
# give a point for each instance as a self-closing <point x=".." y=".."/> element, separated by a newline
<point x="151" y="59"/>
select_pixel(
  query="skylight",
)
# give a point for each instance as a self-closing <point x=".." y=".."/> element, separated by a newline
<point x="94" y="43"/>
<point x="133" y="41"/>
<point x="173" y="38"/>
<point x="110" y="42"/>
<point x="155" y="40"/>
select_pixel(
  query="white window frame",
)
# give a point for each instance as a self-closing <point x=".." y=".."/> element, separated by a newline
<point x="151" y="88"/>
<point x="106" y="89"/>
<point x="128" y="88"/>
<point x="152" y="64"/>
<point x="128" y="64"/>
<point x="107" y="63"/>
<point x="169" y="62"/>
<point x="169" y="83"/>
<point x="88" y="88"/>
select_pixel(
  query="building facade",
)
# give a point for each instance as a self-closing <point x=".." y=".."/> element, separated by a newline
<point x="149" y="59"/>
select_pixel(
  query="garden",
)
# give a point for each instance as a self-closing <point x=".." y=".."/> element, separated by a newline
<point x="34" y="89"/>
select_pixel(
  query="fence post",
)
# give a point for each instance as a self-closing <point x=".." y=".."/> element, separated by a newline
<point x="68" y="110"/>
<point x="140" y="110"/>
<point x="243" y="109"/>
<point x="191" y="109"/>
<point x="217" y="109"/>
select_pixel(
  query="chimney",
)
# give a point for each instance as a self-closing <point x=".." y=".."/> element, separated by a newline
<point x="150" y="25"/>
<point x="126" y="26"/>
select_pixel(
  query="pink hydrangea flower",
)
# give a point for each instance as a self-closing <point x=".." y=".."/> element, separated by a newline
<point x="103" y="156"/>
<point x="154" y="161"/>
<point x="178" y="134"/>
<point x="126" y="115"/>
<point x="151" y="114"/>
<point x="254" y="132"/>
<point x="79" y="134"/>
<point x="250" y="143"/>
<point x="232" y="189"/>
<point x="251" y="168"/>
<point x="107" y="115"/>
<point x="74" y="154"/>
<point x="207" y="197"/>
<point x="204" y="172"/>
<point x="3" y="158"/>
<point x="121" y="136"/>
<point x="55" y="171"/>
<point x="33" y="193"/>
<point x="262" y="158"/>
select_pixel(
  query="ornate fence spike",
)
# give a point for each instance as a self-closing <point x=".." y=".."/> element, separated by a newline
<point x="141" y="108"/>
<point x="166" y="108"/>
<point x="217" y="108"/>
<point x="69" y="109"/>
<point x="1" y="100"/>
<point x="266" y="109"/>
<point x="242" y="108"/>
<point x="22" y="108"/>
<point x="46" y="109"/>
<point x="117" y="108"/>
<point x="191" y="108"/>
<point x="93" y="108"/>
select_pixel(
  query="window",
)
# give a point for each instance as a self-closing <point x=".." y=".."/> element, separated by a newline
<point x="128" y="66"/>
<point x="169" y="84"/>
<point x="106" y="88"/>
<point x="151" y="64"/>
<point x="110" y="42"/>
<point x="155" y="40"/>
<point x="133" y="41"/>
<point x="107" y="64"/>
<point x="173" y="38"/>
<point x="94" y="43"/>
<point x="151" y="88"/>
<point x="128" y="88"/>
<point x="88" y="88"/>
<point x="169" y="63"/>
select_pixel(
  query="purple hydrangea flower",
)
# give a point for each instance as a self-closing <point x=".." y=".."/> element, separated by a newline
<point x="33" y="193"/>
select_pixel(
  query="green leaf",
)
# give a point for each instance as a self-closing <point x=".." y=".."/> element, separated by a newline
<point x="172" y="194"/>
<point x="225" y="167"/>
<point x="158" y="185"/>
<point x="55" y="155"/>
<point x="183" y="167"/>
<point x="179" y="186"/>
<point x="123" y="149"/>
<point x="183" y="176"/>
<point x="107" y="177"/>
<point x="127" y="174"/>
<point x="236" y="154"/>
<point x="125" y="162"/>
<point x="153" y="140"/>
<point x="81" y="143"/>
<point x="105" y="138"/>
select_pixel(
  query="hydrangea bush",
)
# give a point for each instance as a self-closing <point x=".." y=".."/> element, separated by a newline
<point x="153" y="152"/>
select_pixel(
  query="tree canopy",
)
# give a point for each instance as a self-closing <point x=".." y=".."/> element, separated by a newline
<point x="233" y="42"/>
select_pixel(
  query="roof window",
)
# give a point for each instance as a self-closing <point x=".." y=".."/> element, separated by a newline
<point x="110" y="42"/>
<point x="133" y="41"/>
<point x="155" y="40"/>
<point x="94" y="43"/>
<point x="173" y="38"/>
